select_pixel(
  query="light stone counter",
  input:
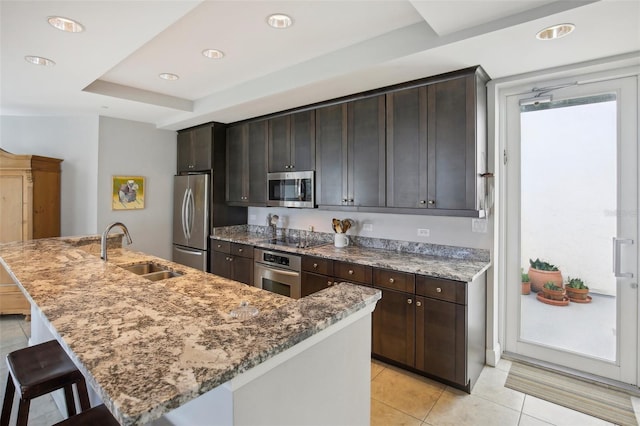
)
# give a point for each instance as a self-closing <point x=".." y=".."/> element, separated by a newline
<point x="453" y="263"/>
<point x="150" y="347"/>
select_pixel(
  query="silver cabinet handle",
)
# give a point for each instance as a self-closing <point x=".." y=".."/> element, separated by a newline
<point x="315" y="266"/>
<point x="239" y="250"/>
<point x="438" y="290"/>
<point x="423" y="201"/>
<point x="432" y="202"/>
<point x="418" y="303"/>
<point x="409" y="301"/>
<point x="329" y="283"/>
<point x="350" y="271"/>
<point x="391" y="280"/>
<point x="617" y="242"/>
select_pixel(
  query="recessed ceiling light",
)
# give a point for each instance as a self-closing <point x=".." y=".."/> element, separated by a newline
<point x="213" y="53"/>
<point x="279" y="21"/>
<point x="65" y="24"/>
<point x="555" y="31"/>
<point x="39" y="60"/>
<point x="168" y="76"/>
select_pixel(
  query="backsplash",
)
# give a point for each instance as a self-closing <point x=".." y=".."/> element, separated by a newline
<point x="358" y="241"/>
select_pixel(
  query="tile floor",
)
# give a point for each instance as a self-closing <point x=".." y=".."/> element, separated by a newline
<point x="397" y="397"/>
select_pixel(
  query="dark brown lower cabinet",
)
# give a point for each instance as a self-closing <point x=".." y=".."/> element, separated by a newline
<point x="440" y="330"/>
<point x="393" y="327"/>
<point x="233" y="261"/>
<point x="311" y="283"/>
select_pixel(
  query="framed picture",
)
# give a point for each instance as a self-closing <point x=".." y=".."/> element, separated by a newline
<point x="127" y="193"/>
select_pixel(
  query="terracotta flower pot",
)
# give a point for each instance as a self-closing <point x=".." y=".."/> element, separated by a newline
<point x="553" y="294"/>
<point x="539" y="278"/>
<point x="526" y="288"/>
<point x="577" y="293"/>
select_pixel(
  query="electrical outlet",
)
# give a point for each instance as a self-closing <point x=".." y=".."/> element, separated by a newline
<point x="422" y="232"/>
<point x="479" y="225"/>
<point x="367" y="227"/>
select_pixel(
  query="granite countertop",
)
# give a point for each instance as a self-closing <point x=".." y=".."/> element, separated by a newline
<point x="459" y="264"/>
<point x="148" y="347"/>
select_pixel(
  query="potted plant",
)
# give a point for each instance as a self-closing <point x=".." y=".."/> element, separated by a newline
<point x="552" y="291"/>
<point x="576" y="289"/>
<point x="541" y="272"/>
<point x="526" y="283"/>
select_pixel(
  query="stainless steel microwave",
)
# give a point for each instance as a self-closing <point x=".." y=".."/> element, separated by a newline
<point x="291" y="189"/>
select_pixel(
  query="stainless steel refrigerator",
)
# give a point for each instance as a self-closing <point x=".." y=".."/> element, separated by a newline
<point x="191" y="220"/>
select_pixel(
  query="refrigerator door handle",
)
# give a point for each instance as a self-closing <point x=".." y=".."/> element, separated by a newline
<point x="190" y="213"/>
<point x="184" y="213"/>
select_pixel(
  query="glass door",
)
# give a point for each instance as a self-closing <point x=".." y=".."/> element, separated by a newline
<point x="572" y="216"/>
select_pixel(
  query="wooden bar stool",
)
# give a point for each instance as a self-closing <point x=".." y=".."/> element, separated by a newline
<point x="38" y="370"/>
<point x="96" y="416"/>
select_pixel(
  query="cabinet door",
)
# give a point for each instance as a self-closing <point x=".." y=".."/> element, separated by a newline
<point x="242" y="269"/>
<point x="451" y="139"/>
<point x="303" y="140"/>
<point x="202" y="148"/>
<point x="236" y="143"/>
<point x="185" y="161"/>
<point x="257" y="162"/>
<point x="280" y="144"/>
<point x="407" y="148"/>
<point x="366" y="152"/>
<point x="311" y="283"/>
<point x="441" y="339"/>
<point x="394" y="326"/>
<point x="220" y="264"/>
<point x="331" y="155"/>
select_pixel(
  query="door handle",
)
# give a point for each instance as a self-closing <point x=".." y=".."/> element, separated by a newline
<point x="617" y="242"/>
<point x="184" y="213"/>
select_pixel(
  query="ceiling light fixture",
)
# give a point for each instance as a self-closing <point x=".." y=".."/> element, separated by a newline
<point x="279" y="21"/>
<point x="169" y="76"/>
<point x="39" y="60"/>
<point x="65" y="24"/>
<point x="213" y="53"/>
<point x="555" y="31"/>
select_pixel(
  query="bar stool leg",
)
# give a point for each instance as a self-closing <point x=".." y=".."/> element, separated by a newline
<point x="69" y="401"/>
<point x="23" y="412"/>
<point x="8" y="402"/>
<point x="85" y="404"/>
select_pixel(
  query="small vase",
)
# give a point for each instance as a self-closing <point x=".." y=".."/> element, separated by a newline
<point x="526" y="288"/>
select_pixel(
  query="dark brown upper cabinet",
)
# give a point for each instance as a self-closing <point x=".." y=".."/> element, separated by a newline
<point x="292" y="141"/>
<point x="247" y="164"/>
<point x="350" y="153"/>
<point x="195" y="149"/>
<point x="436" y="144"/>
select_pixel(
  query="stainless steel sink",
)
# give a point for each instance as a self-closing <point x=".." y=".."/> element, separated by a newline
<point x="151" y="271"/>
<point x="161" y="275"/>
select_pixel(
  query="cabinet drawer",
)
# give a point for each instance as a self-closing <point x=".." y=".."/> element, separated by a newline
<point x="243" y="250"/>
<point x="352" y="272"/>
<point x="317" y="265"/>
<point x="437" y="288"/>
<point x="222" y="246"/>
<point x="394" y="280"/>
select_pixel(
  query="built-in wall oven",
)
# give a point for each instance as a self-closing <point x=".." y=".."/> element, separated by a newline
<point x="277" y="272"/>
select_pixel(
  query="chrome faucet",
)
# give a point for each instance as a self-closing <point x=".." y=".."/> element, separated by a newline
<point x="103" y="241"/>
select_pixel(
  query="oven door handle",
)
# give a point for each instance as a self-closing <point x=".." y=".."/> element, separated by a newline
<point x="282" y="271"/>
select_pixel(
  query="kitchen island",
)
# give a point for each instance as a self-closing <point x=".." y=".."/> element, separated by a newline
<point x="169" y="351"/>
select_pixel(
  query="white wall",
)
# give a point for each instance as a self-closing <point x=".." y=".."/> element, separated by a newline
<point x="452" y="231"/>
<point x="73" y="139"/>
<point x="138" y="149"/>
